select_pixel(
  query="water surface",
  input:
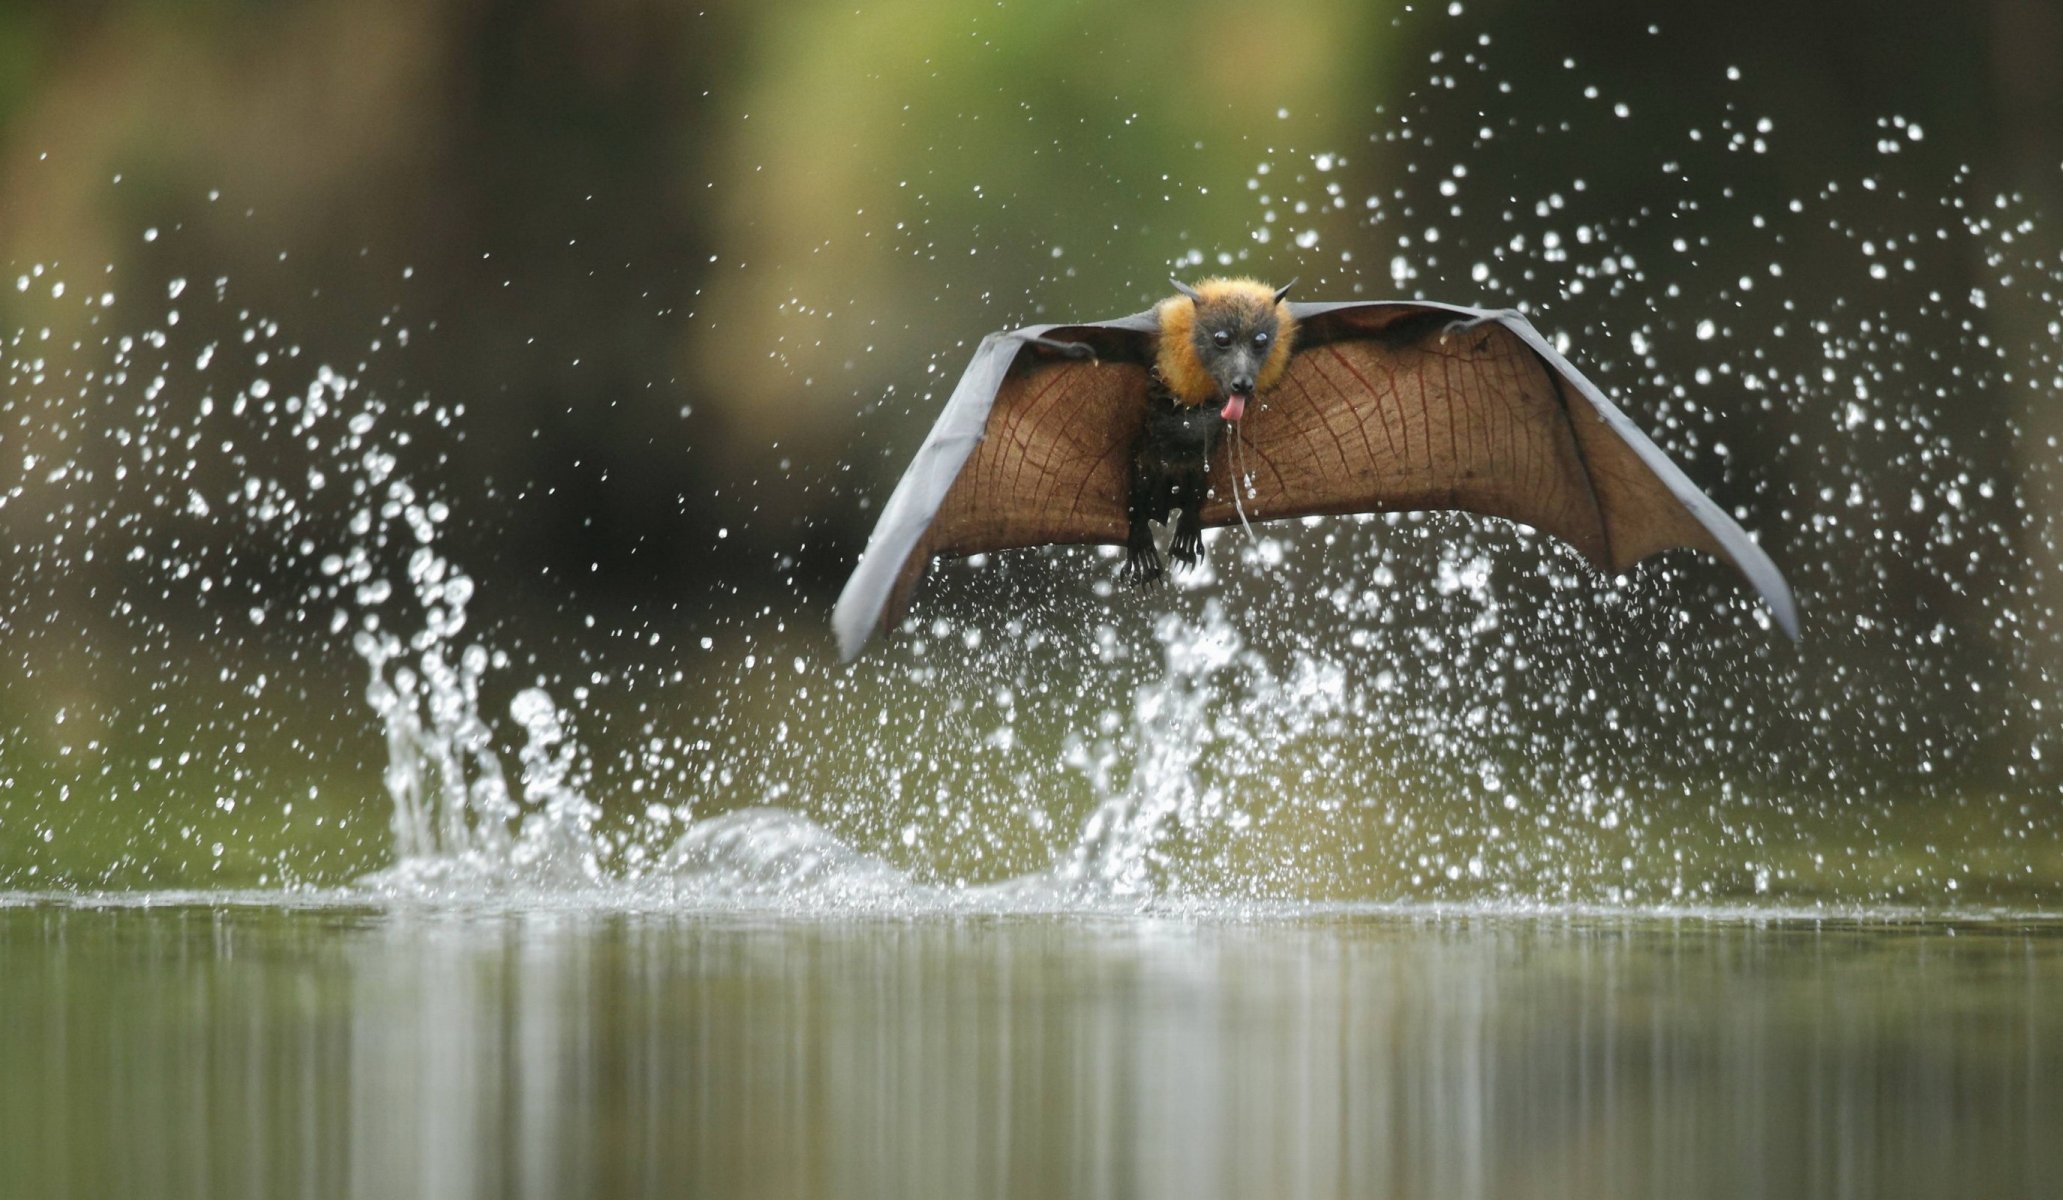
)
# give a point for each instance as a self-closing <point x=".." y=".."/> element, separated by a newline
<point x="203" y="1049"/>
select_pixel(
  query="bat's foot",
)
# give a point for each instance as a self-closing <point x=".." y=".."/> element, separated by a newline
<point x="1142" y="564"/>
<point x="1187" y="548"/>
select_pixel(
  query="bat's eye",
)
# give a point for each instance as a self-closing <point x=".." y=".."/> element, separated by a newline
<point x="1222" y="338"/>
<point x="1260" y="341"/>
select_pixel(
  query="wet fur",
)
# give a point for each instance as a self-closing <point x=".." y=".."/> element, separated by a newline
<point x="1183" y="421"/>
<point x="1168" y="473"/>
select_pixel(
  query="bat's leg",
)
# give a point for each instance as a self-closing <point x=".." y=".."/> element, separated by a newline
<point x="1163" y="477"/>
<point x="1190" y="486"/>
<point x="1148" y="503"/>
<point x="1142" y="559"/>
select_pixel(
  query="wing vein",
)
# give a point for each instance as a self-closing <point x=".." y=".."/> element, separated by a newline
<point x="1381" y="415"/>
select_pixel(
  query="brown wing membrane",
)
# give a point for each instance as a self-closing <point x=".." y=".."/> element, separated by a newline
<point x="1032" y="447"/>
<point x="1053" y="465"/>
<point x="1416" y="415"/>
<point x="1051" y="469"/>
<point x="1401" y="407"/>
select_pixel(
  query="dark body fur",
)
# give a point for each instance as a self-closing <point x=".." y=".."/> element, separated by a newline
<point x="1168" y="473"/>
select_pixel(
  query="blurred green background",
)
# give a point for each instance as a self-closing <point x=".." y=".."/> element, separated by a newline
<point x="658" y="297"/>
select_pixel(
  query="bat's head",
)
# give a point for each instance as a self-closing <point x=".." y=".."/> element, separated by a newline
<point x="1224" y="341"/>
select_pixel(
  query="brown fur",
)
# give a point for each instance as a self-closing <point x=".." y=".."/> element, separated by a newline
<point x="1176" y="357"/>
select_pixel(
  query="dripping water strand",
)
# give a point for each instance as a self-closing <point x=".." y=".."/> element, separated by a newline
<point x="1241" y="480"/>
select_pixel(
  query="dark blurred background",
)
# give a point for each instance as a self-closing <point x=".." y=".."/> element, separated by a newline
<point x="665" y="293"/>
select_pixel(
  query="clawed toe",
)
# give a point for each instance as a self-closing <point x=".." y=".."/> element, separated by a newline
<point x="1187" y="547"/>
<point x="1142" y="567"/>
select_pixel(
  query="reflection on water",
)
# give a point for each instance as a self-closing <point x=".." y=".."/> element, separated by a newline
<point x="259" y="1052"/>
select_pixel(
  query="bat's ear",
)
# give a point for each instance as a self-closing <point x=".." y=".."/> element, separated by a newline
<point x="1284" y="290"/>
<point x="1185" y="289"/>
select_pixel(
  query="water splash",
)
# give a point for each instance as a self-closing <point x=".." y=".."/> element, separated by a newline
<point x="1197" y="731"/>
<point x="1217" y="700"/>
<point x="456" y="817"/>
<point x="460" y="829"/>
<point x="1174" y="724"/>
<point x="772" y="857"/>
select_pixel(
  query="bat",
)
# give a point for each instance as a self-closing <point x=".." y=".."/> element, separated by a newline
<point x="1088" y="434"/>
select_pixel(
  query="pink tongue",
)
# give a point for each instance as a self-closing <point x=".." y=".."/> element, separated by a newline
<point x="1235" y="406"/>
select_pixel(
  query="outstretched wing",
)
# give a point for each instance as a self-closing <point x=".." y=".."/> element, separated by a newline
<point x="1395" y="406"/>
<point x="1034" y="447"/>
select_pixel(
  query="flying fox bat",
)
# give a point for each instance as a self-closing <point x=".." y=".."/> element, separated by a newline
<point x="1086" y="434"/>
